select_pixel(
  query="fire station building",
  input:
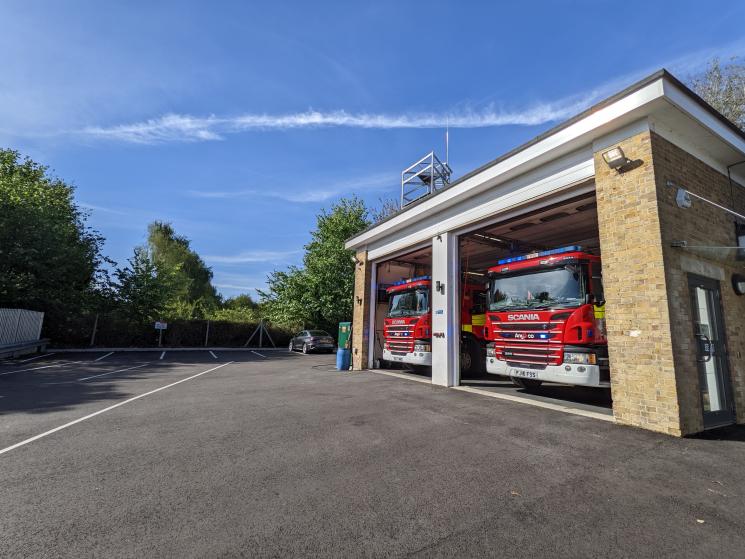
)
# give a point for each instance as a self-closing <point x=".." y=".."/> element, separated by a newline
<point x="651" y="181"/>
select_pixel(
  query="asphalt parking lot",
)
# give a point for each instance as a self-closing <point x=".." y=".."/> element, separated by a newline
<point x="277" y="454"/>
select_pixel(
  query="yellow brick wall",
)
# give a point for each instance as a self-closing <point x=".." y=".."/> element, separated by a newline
<point x="643" y="381"/>
<point x="701" y="225"/>
<point x="361" y="314"/>
<point x="654" y="375"/>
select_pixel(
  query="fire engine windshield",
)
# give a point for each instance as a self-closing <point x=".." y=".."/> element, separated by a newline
<point x="538" y="289"/>
<point x="409" y="303"/>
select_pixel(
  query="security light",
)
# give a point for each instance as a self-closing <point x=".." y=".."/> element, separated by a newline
<point x="738" y="283"/>
<point x="615" y="158"/>
<point x="740" y="234"/>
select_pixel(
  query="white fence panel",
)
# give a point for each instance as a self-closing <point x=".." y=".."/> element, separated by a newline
<point x="19" y="325"/>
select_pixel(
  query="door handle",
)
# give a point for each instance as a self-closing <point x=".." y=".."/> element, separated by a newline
<point x="709" y="347"/>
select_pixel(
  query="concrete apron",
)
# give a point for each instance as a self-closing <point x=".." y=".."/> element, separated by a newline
<point x="499" y="396"/>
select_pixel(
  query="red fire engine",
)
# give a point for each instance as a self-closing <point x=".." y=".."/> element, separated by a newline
<point x="546" y="319"/>
<point x="408" y="324"/>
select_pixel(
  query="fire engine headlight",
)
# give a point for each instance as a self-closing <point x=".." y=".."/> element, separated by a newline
<point x="491" y="351"/>
<point x="422" y="347"/>
<point x="580" y="358"/>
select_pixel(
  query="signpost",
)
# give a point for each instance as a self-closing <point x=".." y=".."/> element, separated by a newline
<point x="160" y="326"/>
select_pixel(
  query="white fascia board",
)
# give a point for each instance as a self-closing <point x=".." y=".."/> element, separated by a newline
<point x="686" y="104"/>
<point x="558" y="175"/>
<point x="563" y="141"/>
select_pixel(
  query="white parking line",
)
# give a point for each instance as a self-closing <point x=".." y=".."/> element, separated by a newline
<point x="162" y="355"/>
<point x="104" y="356"/>
<point x="112" y="372"/>
<point x="32" y="369"/>
<point x="37" y="357"/>
<point x="257" y="353"/>
<point x="99" y="412"/>
<point x="212" y="354"/>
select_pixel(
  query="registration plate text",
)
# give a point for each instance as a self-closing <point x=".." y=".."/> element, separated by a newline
<point x="522" y="373"/>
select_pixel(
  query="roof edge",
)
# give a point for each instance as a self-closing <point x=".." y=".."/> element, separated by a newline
<point x="662" y="73"/>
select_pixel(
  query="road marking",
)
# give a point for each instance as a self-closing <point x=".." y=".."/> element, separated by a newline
<point x="104" y="356"/>
<point x="536" y="403"/>
<point x="257" y="353"/>
<point x="32" y="369"/>
<point x="162" y="355"/>
<point x="212" y="354"/>
<point x="112" y="372"/>
<point x="37" y="357"/>
<point x="409" y="376"/>
<point x="99" y="412"/>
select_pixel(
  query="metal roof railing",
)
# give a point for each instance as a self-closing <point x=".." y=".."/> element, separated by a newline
<point x="423" y="178"/>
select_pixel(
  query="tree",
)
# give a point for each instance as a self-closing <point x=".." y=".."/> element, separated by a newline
<point x="287" y="301"/>
<point x="143" y="290"/>
<point x="388" y="207"/>
<point x="723" y="87"/>
<point x="320" y="294"/>
<point x="50" y="260"/>
<point x="242" y="301"/>
<point x="241" y="308"/>
<point x="193" y="294"/>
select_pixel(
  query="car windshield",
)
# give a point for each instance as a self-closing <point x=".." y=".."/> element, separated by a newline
<point x="409" y="303"/>
<point x="318" y="333"/>
<point x="557" y="287"/>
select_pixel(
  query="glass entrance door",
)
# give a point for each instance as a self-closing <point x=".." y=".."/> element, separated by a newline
<point x="711" y="352"/>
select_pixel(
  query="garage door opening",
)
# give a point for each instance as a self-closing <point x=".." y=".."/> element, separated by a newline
<point x="539" y="321"/>
<point x="402" y="314"/>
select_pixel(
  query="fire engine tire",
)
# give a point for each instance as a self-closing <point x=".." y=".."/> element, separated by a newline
<point x="472" y="362"/>
<point x="305" y="349"/>
<point x="526" y="383"/>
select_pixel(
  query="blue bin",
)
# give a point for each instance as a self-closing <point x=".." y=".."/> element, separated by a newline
<point x="343" y="357"/>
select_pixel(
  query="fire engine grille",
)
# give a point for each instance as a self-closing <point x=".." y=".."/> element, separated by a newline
<point x="535" y="343"/>
<point x="527" y="327"/>
<point x="400" y="337"/>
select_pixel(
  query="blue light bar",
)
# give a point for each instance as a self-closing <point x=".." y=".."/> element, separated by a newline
<point x="573" y="248"/>
<point x="420" y="278"/>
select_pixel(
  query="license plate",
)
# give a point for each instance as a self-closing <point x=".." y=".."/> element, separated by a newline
<point x="522" y="373"/>
<point x="397" y="358"/>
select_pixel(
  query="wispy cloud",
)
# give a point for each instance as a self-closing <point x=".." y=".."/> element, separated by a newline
<point x="96" y="208"/>
<point x="319" y="193"/>
<point x="253" y="256"/>
<point x="190" y="128"/>
<point x="236" y="287"/>
<point x="174" y="127"/>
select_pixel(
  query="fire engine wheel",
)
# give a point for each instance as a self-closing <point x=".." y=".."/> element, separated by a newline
<point x="305" y="348"/>
<point x="472" y="362"/>
<point x="526" y="383"/>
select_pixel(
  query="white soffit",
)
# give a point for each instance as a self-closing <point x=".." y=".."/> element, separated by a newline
<point x="516" y="194"/>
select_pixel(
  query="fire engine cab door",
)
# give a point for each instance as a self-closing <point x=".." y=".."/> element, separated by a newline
<point x="711" y="352"/>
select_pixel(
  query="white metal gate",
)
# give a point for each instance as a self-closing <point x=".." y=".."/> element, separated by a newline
<point x="19" y="325"/>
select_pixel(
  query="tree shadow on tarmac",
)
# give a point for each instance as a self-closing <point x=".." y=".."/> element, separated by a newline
<point x="59" y="386"/>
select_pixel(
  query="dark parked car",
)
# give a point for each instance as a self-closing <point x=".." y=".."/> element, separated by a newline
<point x="312" y="340"/>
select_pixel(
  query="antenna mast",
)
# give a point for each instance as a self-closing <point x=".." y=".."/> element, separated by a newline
<point x="447" y="140"/>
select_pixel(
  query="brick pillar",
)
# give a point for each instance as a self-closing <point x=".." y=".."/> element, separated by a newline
<point x="643" y="379"/>
<point x="361" y="312"/>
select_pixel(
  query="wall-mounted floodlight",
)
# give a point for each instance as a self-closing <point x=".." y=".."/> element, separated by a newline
<point x="738" y="284"/>
<point x="740" y="234"/>
<point x="616" y="159"/>
<point x="683" y="199"/>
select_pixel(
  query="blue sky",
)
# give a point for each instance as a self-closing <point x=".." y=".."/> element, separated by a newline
<point x="239" y="121"/>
